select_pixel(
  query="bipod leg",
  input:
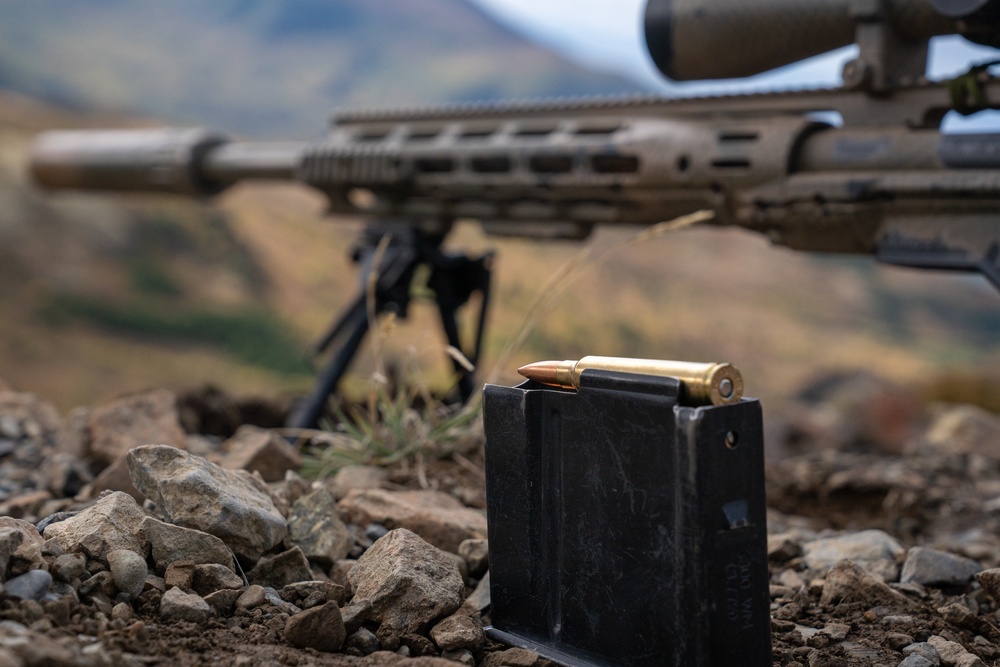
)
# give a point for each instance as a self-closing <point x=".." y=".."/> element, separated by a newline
<point x="454" y="281"/>
<point x="392" y="293"/>
<point x="309" y="411"/>
<point x="448" y="306"/>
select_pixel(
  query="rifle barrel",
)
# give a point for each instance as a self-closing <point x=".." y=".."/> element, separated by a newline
<point x="172" y="160"/>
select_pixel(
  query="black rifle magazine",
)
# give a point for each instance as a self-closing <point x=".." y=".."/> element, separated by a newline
<point x="625" y="529"/>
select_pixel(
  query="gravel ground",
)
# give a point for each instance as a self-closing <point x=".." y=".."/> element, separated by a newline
<point x="878" y="556"/>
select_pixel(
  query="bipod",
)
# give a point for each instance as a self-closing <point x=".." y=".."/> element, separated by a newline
<point x="453" y="279"/>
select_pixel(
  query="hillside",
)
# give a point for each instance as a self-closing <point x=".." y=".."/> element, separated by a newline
<point x="102" y="295"/>
<point x="272" y="68"/>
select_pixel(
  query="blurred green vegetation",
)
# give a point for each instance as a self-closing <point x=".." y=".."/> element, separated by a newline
<point x="252" y="335"/>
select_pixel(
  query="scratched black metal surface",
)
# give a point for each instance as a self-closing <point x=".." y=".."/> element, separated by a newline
<point x="623" y="530"/>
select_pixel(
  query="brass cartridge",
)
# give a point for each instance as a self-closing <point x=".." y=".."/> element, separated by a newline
<point x="701" y="383"/>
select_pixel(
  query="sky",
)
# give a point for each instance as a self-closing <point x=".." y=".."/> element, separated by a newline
<point x="607" y="35"/>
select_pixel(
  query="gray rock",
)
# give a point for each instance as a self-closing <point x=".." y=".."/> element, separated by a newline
<point x="32" y="585"/>
<point x="195" y="493"/>
<point x="990" y="581"/>
<point x="932" y="567"/>
<point x="170" y="543"/>
<point x="965" y="429"/>
<point x="836" y="631"/>
<point x="129" y="422"/>
<point x="176" y="605"/>
<point x="128" y="570"/>
<point x="458" y="632"/>
<point x="462" y="656"/>
<point x="101" y="583"/>
<point x="307" y="594"/>
<point x="223" y="601"/>
<point x="23" y="647"/>
<point x="51" y="548"/>
<point x="783" y="547"/>
<point x="375" y="531"/>
<point x="477" y="556"/>
<point x="122" y="612"/>
<point x="252" y="597"/>
<point x="282" y="569"/>
<point x="512" y="657"/>
<point x="10" y="540"/>
<point x="340" y="571"/>
<point x="924" y="650"/>
<point x="154" y="582"/>
<point x="872" y="550"/>
<point x="256" y="449"/>
<point x="320" y="628"/>
<point x="53" y="518"/>
<point x="315" y="527"/>
<point x="69" y="567"/>
<point x="211" y="577"/>
<point x="59" y="590"/>
<point x="917" y="661"/>
<point x="954" y="654"/>
<point x="26" y="416"/>
<point x="111" y="523"/>
<point x="847" y="582"/>
<point x="479" y="600"/>
<point x="349" y="478"/>
<point x="293" y="487"/>
<point x="115" y="477"/>
<point x="436" y="516"/>
<point x="273" y="598"/>
<point x="355" y="613"/>
<point x="180" y="574"/>
<point x="959" y="615"/>
<point x="27" y="554"/>
<point x="363" y="641"/>
<point x="463" y="567"/>
<point x="409" y="583"/>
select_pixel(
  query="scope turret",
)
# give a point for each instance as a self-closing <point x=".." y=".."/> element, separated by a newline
<point x="720" y="39"/>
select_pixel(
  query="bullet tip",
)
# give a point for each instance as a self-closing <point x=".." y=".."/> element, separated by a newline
<point x="541" y="371"/>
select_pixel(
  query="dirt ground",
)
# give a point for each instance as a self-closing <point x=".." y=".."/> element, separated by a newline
<point x="923" y="495"/>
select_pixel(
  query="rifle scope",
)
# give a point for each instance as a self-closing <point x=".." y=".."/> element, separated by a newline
<point x="721" y="39"/>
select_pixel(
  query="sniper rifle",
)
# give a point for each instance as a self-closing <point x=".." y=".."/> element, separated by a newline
<point x="881" y="178"/>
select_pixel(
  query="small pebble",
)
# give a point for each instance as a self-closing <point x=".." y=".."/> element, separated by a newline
<point x="364" y="640"/>
<point x="176" y="605"/>
<point x="374" y="531"/>
<point x="32" y="585"/>
<point x="253" y="596"/>
<point x="932" y="567"/>
<point x="121" y="612"/>
<point x="128" y="570"/>
<point x="924" y="650"/>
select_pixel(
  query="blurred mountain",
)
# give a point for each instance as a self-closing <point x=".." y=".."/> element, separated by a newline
<point x="272" y="67"/>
